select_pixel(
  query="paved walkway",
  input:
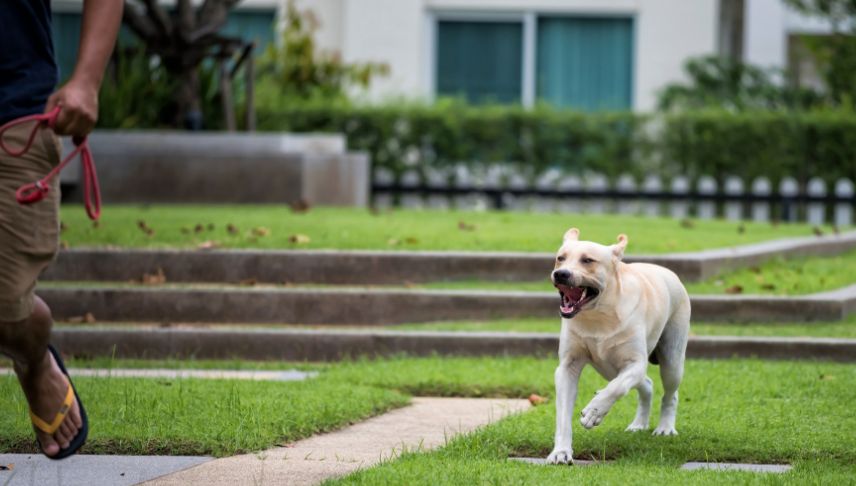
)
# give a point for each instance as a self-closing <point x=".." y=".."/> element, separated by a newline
<point x="89" y="470"/>
<point x="284" y="375"/>
<point x="426" y="424"/>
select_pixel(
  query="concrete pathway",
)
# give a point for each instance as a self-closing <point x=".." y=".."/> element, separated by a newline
<point x="283" y="375"/>
<point x="89" y="470"/>
<point x="425" y="424"/>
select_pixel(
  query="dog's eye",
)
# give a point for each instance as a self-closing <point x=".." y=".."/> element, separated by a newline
<point x="561" y="259"/>
<point x="586" y="260"/>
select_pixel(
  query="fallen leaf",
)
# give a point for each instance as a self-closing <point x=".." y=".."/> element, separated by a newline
<point x="755" y="269"/>
<point x="89" y="318"/>
<point x="768" y="286"/>
<point x="198" y="228"/>
<point x="536" y="400"/>
<point x="250" y="282"/>
<point x="734" y="289"/>
<point x="207" y="245"/>
<point x="411" y="240"/>
<point x="261" y="231"/>
<point x="687" y="223"/>
<point x="300" y="206"/>
<point x="817" y="231"/>
<point x="463" y="226"/>
<point x="62" y="227"/>
<point x="299" y="239"/>
<point x="157" y="278"/>
<point x="232" y="229"/>
<point x="826" y="377"/>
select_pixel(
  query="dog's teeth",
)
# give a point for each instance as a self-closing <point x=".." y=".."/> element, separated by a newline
<point x="585" y="289"/>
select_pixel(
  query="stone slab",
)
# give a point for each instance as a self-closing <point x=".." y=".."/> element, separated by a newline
<point x="285" y="375"/>
<point x="727" y="466"/>
<point x="396" y="267"/>
<point x="321" y="345"/>
<point x="89" y="470"/>
<point x="426" y="424"/>
<point x="379" y="306"/>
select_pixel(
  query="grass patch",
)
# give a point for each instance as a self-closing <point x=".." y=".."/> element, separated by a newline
<point x="339" y="228"/>
<point x="736" y="410"/>
<point x="796" y="276"/>
<point x="839" y="329"/>
<point x="197" y="416"/>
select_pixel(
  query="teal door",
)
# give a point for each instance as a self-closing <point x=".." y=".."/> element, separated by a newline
<point x="480" y="61"/>
<point x="585" y="63"/>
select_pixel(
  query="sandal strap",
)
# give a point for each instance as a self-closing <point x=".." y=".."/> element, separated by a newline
<point x="50" y="428"/>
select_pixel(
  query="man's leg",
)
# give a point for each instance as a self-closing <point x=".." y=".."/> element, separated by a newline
<point x="29" y="239"/>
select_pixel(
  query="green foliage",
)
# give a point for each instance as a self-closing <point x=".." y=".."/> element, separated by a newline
<point x="719" y="82"/>
<point x="297" y="69"/>
<point x="719" y="143"/>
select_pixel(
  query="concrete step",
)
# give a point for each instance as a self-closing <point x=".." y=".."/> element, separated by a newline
<point x="396" y="267"/>
<point x="379" y="306"/>
<point x="322" y="345"/>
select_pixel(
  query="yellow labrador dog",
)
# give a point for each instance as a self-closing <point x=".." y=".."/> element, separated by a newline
<point x="616" y="316"/>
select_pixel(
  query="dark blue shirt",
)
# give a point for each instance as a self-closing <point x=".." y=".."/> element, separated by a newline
<point x="28" y="72"/>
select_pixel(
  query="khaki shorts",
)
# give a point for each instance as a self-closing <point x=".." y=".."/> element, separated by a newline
<point x="29" y="235"/>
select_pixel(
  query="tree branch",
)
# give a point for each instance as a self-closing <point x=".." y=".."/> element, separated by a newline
<point x="140" y="24"/>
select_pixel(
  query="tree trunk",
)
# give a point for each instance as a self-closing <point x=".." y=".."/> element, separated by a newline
<point x="189" y="112"/>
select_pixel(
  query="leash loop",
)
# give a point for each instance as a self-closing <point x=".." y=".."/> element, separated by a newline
<point x="36" y="191"/>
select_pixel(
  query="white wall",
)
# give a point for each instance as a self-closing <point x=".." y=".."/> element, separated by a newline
<point x="398" y="33"/>
<point x="768" y="24"/>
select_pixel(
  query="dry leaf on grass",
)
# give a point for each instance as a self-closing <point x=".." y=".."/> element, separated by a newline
<point x="299" y="239"/>
<point x="687" y="223"/>
<point x="536" y="400"/>
<point x="300" y="206"/>
<point x="207" y="245"/>
<point x="411" y="240"/>
<point x="817" y="231"/>
<point x="198" y="228"/>
<point x="261" y="231"/>
<point x="464" y="226"/>
<point x="734" y="289"/>
<point x="232" y="229"/>
<point x="768" y="286"/>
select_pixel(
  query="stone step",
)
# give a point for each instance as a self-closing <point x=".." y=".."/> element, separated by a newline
<point x="396" y="267"/>
<point x="378" y="306"/>
<point x="323" y="345"/>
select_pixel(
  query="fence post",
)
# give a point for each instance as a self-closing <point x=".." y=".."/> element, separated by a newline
<point x="516" y="181"/>
<point x="547" y="181"/>
<point x="473" y="201"/>
<point x="788" y="189"/>
<point x="761" y="209"/>
<point x="411" y="197"/>
<point x="567" y="204"/>
<point x="437" y="179"/>
<point x="626" y="184"/>
<point x="706" y="208"/>
<point x="844" y="210"/>
<point x="650" y="186"/>
<point x="382" y="177"/>
<point x="816" y="211"/>
<point x="597" y="183"/>
<point x="679" y="207"/>
<point x="734" y="188"/>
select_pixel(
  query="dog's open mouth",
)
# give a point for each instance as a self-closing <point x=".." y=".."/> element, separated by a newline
<point x="574" y="298"/>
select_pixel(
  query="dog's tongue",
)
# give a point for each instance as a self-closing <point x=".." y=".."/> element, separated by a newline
<point x="575" y="293"/>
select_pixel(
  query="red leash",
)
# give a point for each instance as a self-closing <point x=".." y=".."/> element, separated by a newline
<point x="36" y="191"/>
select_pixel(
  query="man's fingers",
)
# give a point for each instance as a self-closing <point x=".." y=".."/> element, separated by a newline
<point x="53" y="100"/>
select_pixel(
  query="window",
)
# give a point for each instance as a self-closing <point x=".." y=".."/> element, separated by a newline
<point x="580" y="62"/>
<point x="480" y="61"/>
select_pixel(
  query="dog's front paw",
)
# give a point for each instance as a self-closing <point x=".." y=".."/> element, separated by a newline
<point x="593" y="414"/>
<point x="636" y="426"/>
<point x="561" y="456"/>
<point x="665" y="430"/>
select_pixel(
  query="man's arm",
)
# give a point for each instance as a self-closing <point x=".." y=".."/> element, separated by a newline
<point x="79" y="96"/>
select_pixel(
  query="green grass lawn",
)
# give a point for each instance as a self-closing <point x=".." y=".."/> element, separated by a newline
<point x="273" y="226"/>
<point x="199" y="417"/>
<point x="840" y="329"/>
<point x="743" y="409"/>
<point x="736" y="410"/>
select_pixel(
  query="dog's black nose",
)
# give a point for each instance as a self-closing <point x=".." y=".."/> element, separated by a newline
<point x="561" y="275"/>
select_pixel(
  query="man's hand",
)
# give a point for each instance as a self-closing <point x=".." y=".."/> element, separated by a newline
<point x="79" y="103"/>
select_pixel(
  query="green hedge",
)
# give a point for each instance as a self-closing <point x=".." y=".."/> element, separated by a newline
<point x="406" y="136"/>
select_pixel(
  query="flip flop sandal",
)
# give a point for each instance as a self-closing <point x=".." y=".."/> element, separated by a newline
<point x="49" y="428"/>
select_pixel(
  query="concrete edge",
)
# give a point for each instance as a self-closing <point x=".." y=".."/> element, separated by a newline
<point x="296" y="345"/>
<point x="396" y="267"/>
<point x="390" y="306"/>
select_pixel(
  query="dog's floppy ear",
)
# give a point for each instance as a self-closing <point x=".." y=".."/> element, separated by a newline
<point x="572" y="234"/>
<point x="618" y="248"/>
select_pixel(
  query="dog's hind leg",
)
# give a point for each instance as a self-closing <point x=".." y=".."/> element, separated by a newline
<point x="671" y="352"/>
<point x="645" y="389"/>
